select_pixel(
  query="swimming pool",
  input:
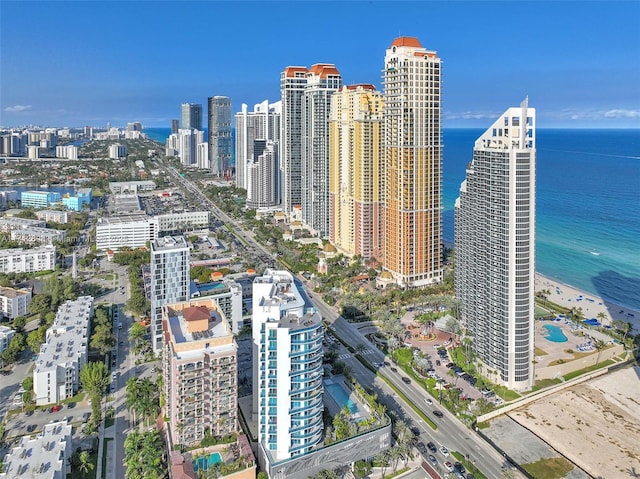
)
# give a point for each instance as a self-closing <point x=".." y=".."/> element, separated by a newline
<point x="341" y="396"/>
<point x="205" y="462"/>
<point x="554" y="334"/>
<point x="204" y="287"/>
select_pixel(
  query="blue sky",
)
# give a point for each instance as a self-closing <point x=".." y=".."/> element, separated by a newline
<point x="93" y="62"/>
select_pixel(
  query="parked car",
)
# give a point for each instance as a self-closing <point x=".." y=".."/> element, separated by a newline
<point x="433" y="460"/>
<point x="29" y="412"/>
<point x="421" y="447"/>
<point x="56" y="408"/>
<point x="432" y="447"/>
<point x="415" y="431"/>
<point x="458" y="467"/>
<point x="448" y="466"/>
<point x="445" y="452"/>
<point x="31" y="427"/>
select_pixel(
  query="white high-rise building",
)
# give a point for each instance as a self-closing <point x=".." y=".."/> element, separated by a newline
<point x="170" y="280"/>
<point x="263" y="174"/>
<point x="322" y="81"/>
<point x="219" y="135"/>
<point x="287" y="368"/>
<point x="495" y="248"/>
<point x="263" y="123"/>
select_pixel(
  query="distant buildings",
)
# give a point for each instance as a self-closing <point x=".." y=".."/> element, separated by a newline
<point x="7" y="197"/>
<point x="39" y="199"/>
<point x="56" y="375"/>
<point x="132" y="231"/>
<point x="219" y="135"/>
<point x="56" y="216"/>
<point x="117" y="151"/>
<point x="200" y="371"/>
<point x="263" y="175"/>
<point x="69" y="151"/>
<point x="14" y="302"/>
<point x="6" y="334"/>
<point x="35" y="235"/>
<point x="495" y="248"/>
<point x="412" y="164"/>
<point x="45" y="456"/>
<point x="170" y="280"/>
<point x="80" y="200"/>
<point x="18" y="260"/>
<point x="355" y="174"/>
<point x="118" y="187"/>
<point x="287" y="369"/>
<point x="8" y="224"/>
<point x="192" y="116"/>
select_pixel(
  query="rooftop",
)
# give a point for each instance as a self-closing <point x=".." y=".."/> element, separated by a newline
<point x="13" y="293"/>
<point x="168" y="243"/>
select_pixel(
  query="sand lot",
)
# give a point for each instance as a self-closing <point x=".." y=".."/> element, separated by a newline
<point x="595" y="424"/>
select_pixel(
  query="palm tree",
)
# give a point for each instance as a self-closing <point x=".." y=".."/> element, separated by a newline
<point x="94" y="377"/>
<point x="600" y="345"/>
<point x="394" y="456"/>
<point x="382" y="459"/>
<point x="85" y="464"/>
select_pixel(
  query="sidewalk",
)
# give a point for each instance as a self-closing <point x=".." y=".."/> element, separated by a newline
<point x="107" y="437"/>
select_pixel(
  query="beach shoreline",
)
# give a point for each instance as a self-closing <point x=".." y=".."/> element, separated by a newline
<point x="571" y="297"/>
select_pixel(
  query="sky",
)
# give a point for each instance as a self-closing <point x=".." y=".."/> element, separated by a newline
<point x="80" y="63"/>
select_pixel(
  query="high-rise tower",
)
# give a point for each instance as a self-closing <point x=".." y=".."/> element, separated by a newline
<point x="322" y="81"/>
<point x="412" y="163"/>
<point x="355" y="129"/>
<point x="170" y="280"/>
<point x="287" y="368"/>
<point x="495" y="248"/>
<point x="192" y="116"/>
<point x="219" y="135"/>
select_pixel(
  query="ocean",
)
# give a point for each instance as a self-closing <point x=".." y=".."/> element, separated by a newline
<point x="588" y="205"/>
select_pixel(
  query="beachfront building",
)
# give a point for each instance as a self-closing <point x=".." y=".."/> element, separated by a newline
<point x="170" y="280"/>
<point x="56" y="373"/>
<point x="287" y="369"/>
<point x="219" y="134"/>
<point x="412" y="164"/>
<point x="18" y="260"/>
<point x="355" y="129"/>
<point x="39" y="199"/>
<point x="45" y="456"/>
<point x="130" y="231"/>
<point x="118" y="187"/>
<point x="263" y="175"/>
<point x="14" y="302"/>
<point x="191" y="116"/>
<point x="34" y="235"/>
<point x="263" y="123"/>
<point x="495" y="248"/>
<point x="56" y="216"/>
<point x="6" y="334"/>
<point x="200" y="371"/>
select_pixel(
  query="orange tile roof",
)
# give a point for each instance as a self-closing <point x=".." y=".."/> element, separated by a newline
<point x="406" y="42"/>
<point x="364" y="86"/>
<point x="196" y="313"/>
<point x="323" y="69"/>
<point x="290" y="72"/>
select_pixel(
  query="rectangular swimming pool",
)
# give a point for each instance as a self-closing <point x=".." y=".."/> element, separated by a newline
<point x="341" y="396"/>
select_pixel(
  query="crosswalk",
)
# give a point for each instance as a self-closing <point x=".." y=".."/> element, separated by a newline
<point x="349" y="355"/>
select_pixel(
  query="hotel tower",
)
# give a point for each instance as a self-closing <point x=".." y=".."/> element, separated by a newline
<point x="412" y="164"/>
<point x="287" y="369"/>
<point x="354" y="170"/>
<point x="495" y="248"/>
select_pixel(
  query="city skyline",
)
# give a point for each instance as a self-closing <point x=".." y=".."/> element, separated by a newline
<point x="73" y="68"/>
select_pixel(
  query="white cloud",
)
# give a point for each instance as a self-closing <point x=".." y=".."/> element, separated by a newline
<point x="470" y="115"/>
<point x="591" y="115"/>
<point x="622" y="114"/>
<point x="16" y="108"/>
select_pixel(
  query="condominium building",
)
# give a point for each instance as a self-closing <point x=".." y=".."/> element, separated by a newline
<point x="6" y="334"/>
<point x="69" y="151"/>
<point x="495" y="248"/>
<point x="10" y="223"/>
<point x="8" y="196"/>
<point x="287" y="369"/>
<point x="219" y="134"/>
<point x="33" y="235"/>
<point x="228" y="295"/>
<point x="45" y="456"/>
<point x="56" y="216"/>
<point x="170" y="278"/>
<point x="18" y="260"/>
<point x="56" y="374"/>
<point x="39" y="199"/>
<point x="14" y="302"/>
<point x="263" y="175"/>
<point x="355" y="137"/>
<point x="192" y="116"/>
<point x="117" y="151"/>
<point x="200" y="369"/>
<point x="412" y="164"/>
<point x="263" y="123"/>
<point x="132" y="231"/>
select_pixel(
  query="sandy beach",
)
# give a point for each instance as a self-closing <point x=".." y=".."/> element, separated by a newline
<point x="591" y="305"/>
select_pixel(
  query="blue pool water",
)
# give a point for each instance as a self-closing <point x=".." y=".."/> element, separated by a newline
<point x="341" y="396"/>
<point x="210" y="286"/>
<point x="554" y="334"/>
<point x="205" y="462"/>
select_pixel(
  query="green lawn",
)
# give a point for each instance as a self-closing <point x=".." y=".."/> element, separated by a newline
<point x="552" y="468"/>
<point x="595" y="367"/>
<point x="91" y="474"/>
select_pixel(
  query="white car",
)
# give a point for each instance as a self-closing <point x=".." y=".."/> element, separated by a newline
<point x="428" y="401"/>
<point x="444" y="451"/>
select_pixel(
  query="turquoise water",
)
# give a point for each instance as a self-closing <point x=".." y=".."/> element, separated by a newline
<point x="205" y="462"/>
<point x="209" y="286"/>
<point x="341" y="396"/>
<point x="588" y="194"/>
<point x="554" y="334"/>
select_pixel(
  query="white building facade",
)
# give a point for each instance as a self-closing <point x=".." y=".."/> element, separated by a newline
<point x="18" y="260"/>
<point x="263" y="175"/>
<point x="14" y="302"/>
<point x="495" y="248"/>
<point x="287" y="368"/>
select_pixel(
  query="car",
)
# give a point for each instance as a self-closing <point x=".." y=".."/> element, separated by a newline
<point x="415" y="431"/>
<point x="56" y="408"/>
<point x="394" y="370"/>
<point x="406" y="380"/>
<point x="121" y="343"/>
<point x="448" y="466"/>
<point x="432" y="447"/>
<point x="458" y="467"/>
<point x="433" y="460"/>
<point x="421" y="447"/>
<point x="437" y="413"/>
<point x="428" y="401"/>
<point x="444" y="451"/>
<point x="387" y="363"/>
<point x="31" y="427"/>
<point x="471" y="476"/>
<point x="114" y="375"/>
<point x="451" y="365"/>
<point x="438" y="362"/>
<point x="29" y="412"/>
<point x="113" y="387"/>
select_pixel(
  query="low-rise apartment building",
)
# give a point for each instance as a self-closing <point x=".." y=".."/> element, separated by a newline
<point x="200" y="371"/>
<point x="11" y="223"/>
<point x="44" y="236"/>
<point x="19" y="260"/>
<point x="133" y="231"/>
<point x="56" y="216"/>
<point x="14" y="302"/>
<point x="56" y="375"/>
<point x="6" y="333"/>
